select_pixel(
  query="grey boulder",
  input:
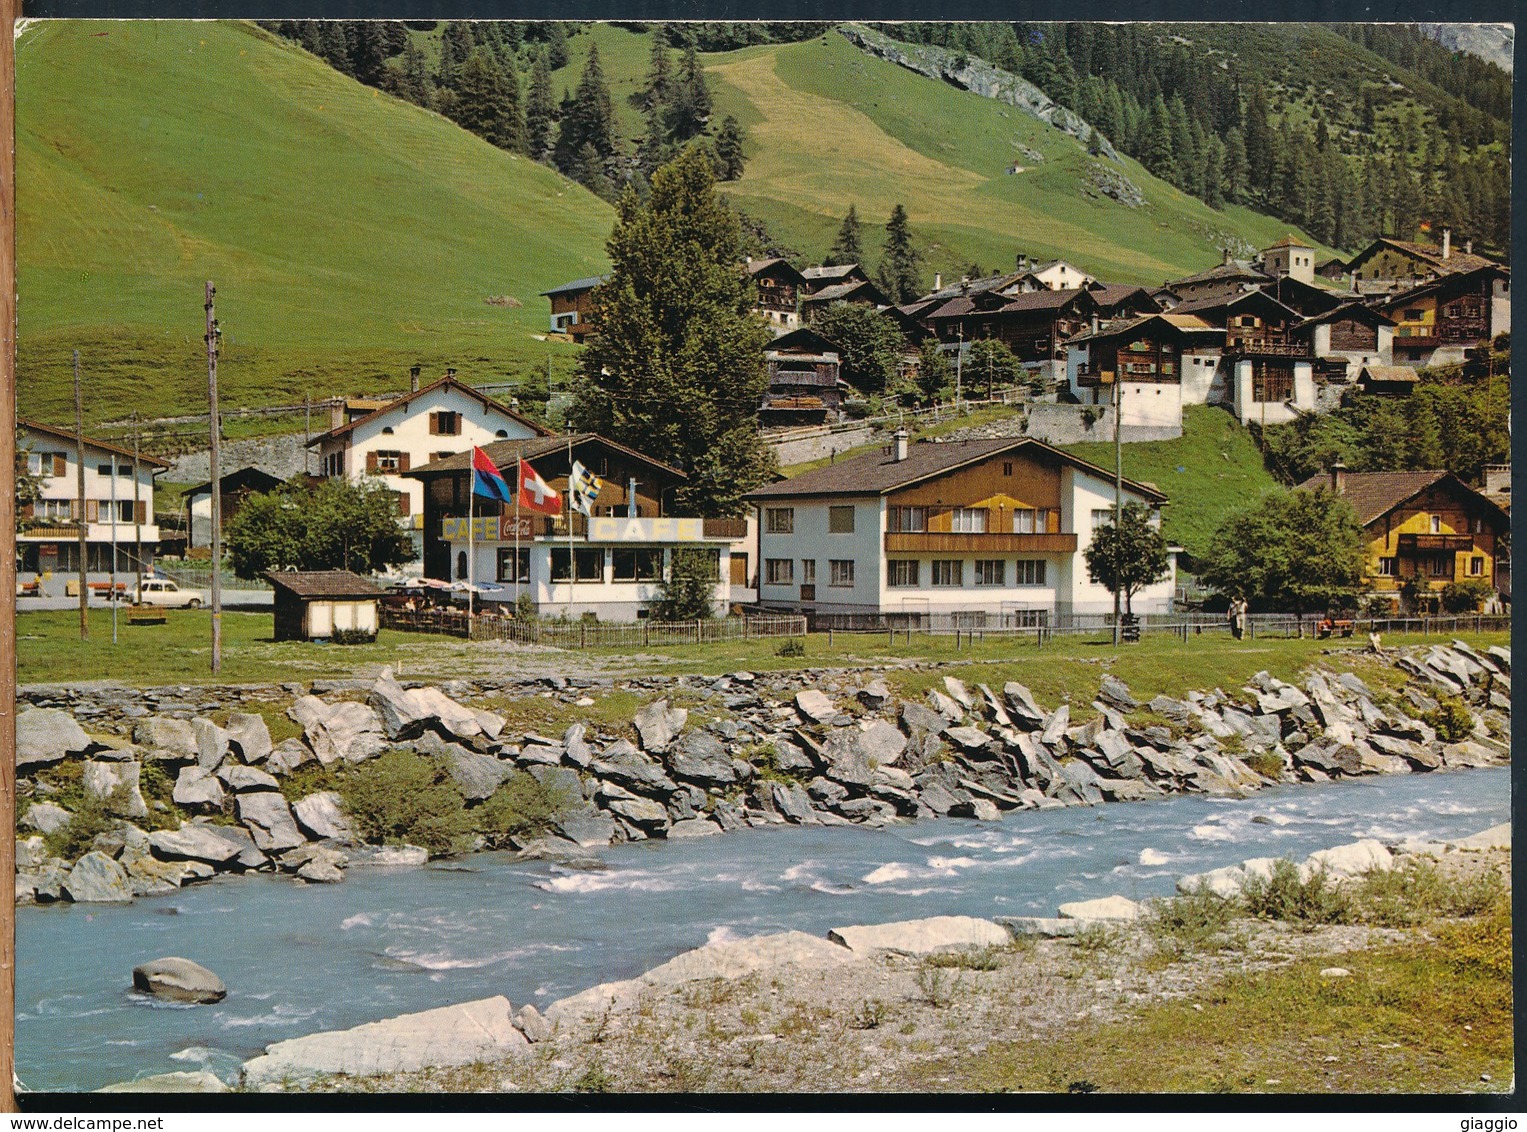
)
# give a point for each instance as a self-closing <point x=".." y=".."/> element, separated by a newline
<point x="178" y="980"/>
<point x="192" y="843"/>
<point x="164" y="739"/>
<point x="196" y="787"/>
<point x="115" y="783"/>
<point x="321" y="816"/>
<point x="248" y="731"/>
<point x="47" y="735"/>
<point x="657" y="725"/>
<point x="98" y="879"/>
<point x="269" y="821"/>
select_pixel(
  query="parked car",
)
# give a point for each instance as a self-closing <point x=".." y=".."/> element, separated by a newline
<point x="163" y="592"/>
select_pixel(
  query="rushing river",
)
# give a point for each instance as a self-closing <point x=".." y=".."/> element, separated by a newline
<point x="298" y="959"/>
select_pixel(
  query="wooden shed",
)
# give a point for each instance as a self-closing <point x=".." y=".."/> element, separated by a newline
<point x="317" y="604"/>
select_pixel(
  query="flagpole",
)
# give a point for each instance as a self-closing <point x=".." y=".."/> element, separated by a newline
<point x="471" y="545"/>
<point x="518" y="479"/>
<point x="567" y="504"/>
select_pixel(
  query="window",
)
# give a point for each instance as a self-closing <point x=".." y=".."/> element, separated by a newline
<point x="103" y="469"/>
<point x="1029" y="572"/>
<point x="506" y="564"/>
<point x="779" y="520"/>
<point x="948" y="572"/>
<point x="1440" y="565"/>
<point x="1436" y="521"/>
<point x="509" y="475"/>
<point x="1389" y="567"/>
<point x="34" y="464"/>
<point x="808" y="571"/>
<point x="461" y="564"/>
<point x="968" y="520"/>
<point x="388" y="462"/>
<point x="840" y="572"/>
<point x="1007" y="467"/>
<point x="589" y="563"/>
<point x="1476" y="566"/>
<point x="445" y="423"/>
<point x="124" y="509"/>
<point x="1479" y="526"/>
<point x="1033" y="520"/>
<point x="53" y="509"/>
<point x="1102" y="517"/>
<point x="907" y="519"/>
<point x="840" y="520"/>
<point x="991" y="572"/>
<point x="1412" y="314"/>
<point x="637" y="564"/>
<point x="901" y="572"/>
<point x="779" y="571"/>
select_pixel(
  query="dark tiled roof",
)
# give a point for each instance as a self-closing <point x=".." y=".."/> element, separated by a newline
<point x="578" y="285"/>
<point x="68" y="438"/>
<point x="445" y="382"/>
<point x="1393" y="374"/>
<point x="1456" y="261"/>
<point x="1375" y="494"/>
<point x="1290" y="242"/>
<point x="844" y="291"/>
<point x="830" y="271"/>
<point x="876" y="473"/>
<point x="257" y="478"/>
<point x="323" y="583"/>
<point x="1112" y="294"/>
<point x="1207" y="303"/>
<point x="759" y="266"/>
<point x="1043" y="300"/>
<point x="504" y="453"/>
<point x="1353" y="309"/>
<point x="1235" y="269"/>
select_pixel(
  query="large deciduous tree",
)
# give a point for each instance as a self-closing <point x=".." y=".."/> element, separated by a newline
<point x="338" y="525"/>
<point x="675" y="368"/>
<point x="1295" y="552"/>
<point x="1127" y="556"/>
<point x="869" y="344"/>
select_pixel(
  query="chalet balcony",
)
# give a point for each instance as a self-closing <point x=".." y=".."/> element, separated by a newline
<point x="1268" y="348"/>
<point x="1420" y="544"/>
<point x="950" y="542"/>
<point x="1417" y="337"/>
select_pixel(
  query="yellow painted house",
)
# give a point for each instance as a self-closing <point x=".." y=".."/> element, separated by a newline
<point x="1427" y="525"/>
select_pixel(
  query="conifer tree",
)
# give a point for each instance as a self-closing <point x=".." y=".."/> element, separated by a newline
<point x="540" y="110"/>
<point x="588" y="124"/>
<point x="899" y="275"/>
<point x="659" y="86"/>
<point x="368" y="53"/>
<point x="849" y="246"/>
<point x="676" y="366"/>
<point x="689" y="106"/>
<point x="455" y="46"/>
<point x="556" y="46"/>
<point x="487" y="101"/>
<point x="729" y="156"/>
<point x="411" y="81"/>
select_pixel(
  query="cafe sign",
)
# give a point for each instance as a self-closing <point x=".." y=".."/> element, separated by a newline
<point x="612" y="528"/>
<point x="489" y="528"/>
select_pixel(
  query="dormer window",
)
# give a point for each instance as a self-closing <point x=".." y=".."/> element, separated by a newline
<point x="387" y="431"/>
<point x="502" y="434"/>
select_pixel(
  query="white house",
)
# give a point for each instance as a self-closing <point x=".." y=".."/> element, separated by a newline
<point x="611" y="564"/>
<point x="1056" y="275"/>
<point x="439" y="420"/>
<point x="114" y="509"/>
<point x="977" y="533"/>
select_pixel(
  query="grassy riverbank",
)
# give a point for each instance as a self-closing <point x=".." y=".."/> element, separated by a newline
<point x="49" y="651"/>
<point x="1197" y="996"/>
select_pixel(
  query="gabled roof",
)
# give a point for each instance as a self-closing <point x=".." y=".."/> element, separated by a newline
<point x="1044" y="300"/>
<point x="775" y="264"/>
<point x="1235" y="269"/>
<point x="1113" y="294"/>
<point x="972" y="286"/>
<point x="804" y="340"/>
<point x="876" y="473"/>
<point x="407" y="398"/>
<point x="1388" y="375"/>
<point x="1307" y="298"/>
<point x="831" y="271"/>
<point x="1289" y="241"/>
<point x="1121" y="328"/>
<point x="854" y="288"/>
<point x="1375" y="494"/>
<point x="1445" y="282"/>
<point x="257" y="478"/>
<point x="1352" y="309"/>
<point x="1211" y="303"/>
<point x="68" y="438"/>
<point x="504" y="454"/>
<point x="319" y="584"/>
<point x="576" y="285"/>
<point x="1430" y="254"/>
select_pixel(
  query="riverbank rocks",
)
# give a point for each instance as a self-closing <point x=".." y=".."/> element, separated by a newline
<point x="1105" y="908"/>
<point x="657" y="724"/>
<point x="919" y="937"/>
<point x="185" y="1081"/>
<point x="463" y="1034"/>
<point x="342" y="732"/>
<point x="164" y="739"/>
<point x="97" y="879"/>
<point x="178" y="980"/>
<point x="269" y="821"/>
<point x="321" y="816"/>
<point x="47" y="735"/>
<point x="45" y="817"/>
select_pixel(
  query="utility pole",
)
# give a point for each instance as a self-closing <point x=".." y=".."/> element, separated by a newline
<point x="137" y="519"/>
<point x="79" y="468"/>
<point x="111" y="587"/>
<point x="1118" y="488"/>
<point x="959" y="360"/>
<point x="307" y="432"/>
<point x="215" y="425"/>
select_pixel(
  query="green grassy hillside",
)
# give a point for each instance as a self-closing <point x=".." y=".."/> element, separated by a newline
<point x="349" y="234"/>
<point x="1213" y="470"/>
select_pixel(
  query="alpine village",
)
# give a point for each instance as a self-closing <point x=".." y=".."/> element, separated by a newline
<point x="460" y="465"/>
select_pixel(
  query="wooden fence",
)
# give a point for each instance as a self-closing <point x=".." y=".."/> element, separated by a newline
<point x="591" y="634"/>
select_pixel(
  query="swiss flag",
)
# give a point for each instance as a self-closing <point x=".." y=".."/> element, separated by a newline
<point x="535" y="495"/>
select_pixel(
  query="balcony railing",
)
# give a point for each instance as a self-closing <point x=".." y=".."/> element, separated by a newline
<point x="1414" y="543"/>
<point x="1269" y="348"/>
<point x="995" y="542"/>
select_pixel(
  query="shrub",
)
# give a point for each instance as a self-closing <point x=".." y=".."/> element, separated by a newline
<point x="91" y="818"/>
<point x="310" y="778"/>
<point x="401" y="797"/>
<point x="1481" y="944"/>
<point x="1419" y="890"/>
<point x="521" y="807"/>
<point x="352" y="636"/>
<point x="1093" y="937"/>
<point x="967" y="958"/>
<point x="792" y="647"/>
<point x="870" y="1015"/>
<point x="1269" y="764"/>
<point x="158" y="790"/>
<point x="935" y="985"/>
<point x="1192" y="922"/>
<point x="1464" y="597"/>
<point x="1452" y="720"/>
<point x="1306" y="903"/>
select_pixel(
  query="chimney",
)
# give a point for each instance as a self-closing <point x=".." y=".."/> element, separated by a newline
<point x="1447" y="242"/>
<point x="1339" y="477"/>
<point x="1226" y="262"/>
<point x="938" y="280"/>
<point x="901" y="445"/>
<point x="413" y="379"/>
<point x="1468" y="247"/>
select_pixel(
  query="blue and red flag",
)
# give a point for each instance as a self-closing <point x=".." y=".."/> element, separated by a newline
<point x="487" y="479"/>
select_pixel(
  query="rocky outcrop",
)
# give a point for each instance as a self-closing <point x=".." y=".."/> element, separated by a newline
<point x="979" y="77"/>
<point x="47" y="735"/>
<point x="451" y="1035"/>
<point x="919" y="937"/>
<point x="178" y="980"/>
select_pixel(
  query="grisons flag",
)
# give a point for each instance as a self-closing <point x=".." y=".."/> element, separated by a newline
<point x="487" y="479"/>
<point x="535" y="494"/>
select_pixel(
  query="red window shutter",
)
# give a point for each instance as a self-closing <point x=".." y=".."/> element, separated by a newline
<point x="403" y="462"/>
<point x="74" y="509"/>
<point x="92" y="510"/>
<point x="403" y="505"/>
<point x="142" y="511"/>
<point x="60" y="464"/>
<point x="434" y="424"/>
<point x="29" y="511"/>
<point x="371" y="463"/>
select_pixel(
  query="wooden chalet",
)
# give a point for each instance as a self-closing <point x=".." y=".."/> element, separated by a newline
<point x="860" y="292"/>
<point x="1254" y="323"/>
<point x="1121" y="300"/>
<point x="778" y="291"/>
<point x="234" y="490"/>
<point x="1438" y="321"/>
<point x="1395" y="380"/>
<point x="572" y="307"/>
<point x="804" y="386"/>
<point x="1404" y="263"/>
<point x="1345" y="339"/>
<point x="831" y="275"/>
<point x="314" y="605"/>
<point x="1309" y="299"/>
<point x="1033" y="326"/>
<point x="1215" y="280"/>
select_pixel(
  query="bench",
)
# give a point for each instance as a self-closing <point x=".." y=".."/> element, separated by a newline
<point x="1334" y="629"/>
<point x="147" y="615"/>
<point x="103" y="589"/>
<point x="29" y="589"/>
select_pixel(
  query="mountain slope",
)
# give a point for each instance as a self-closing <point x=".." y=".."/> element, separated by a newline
<point x="349" y="234"/>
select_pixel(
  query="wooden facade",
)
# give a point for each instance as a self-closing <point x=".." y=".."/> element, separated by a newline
<point x="1033" y="326"/>
<point x="1439" y="537"/>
